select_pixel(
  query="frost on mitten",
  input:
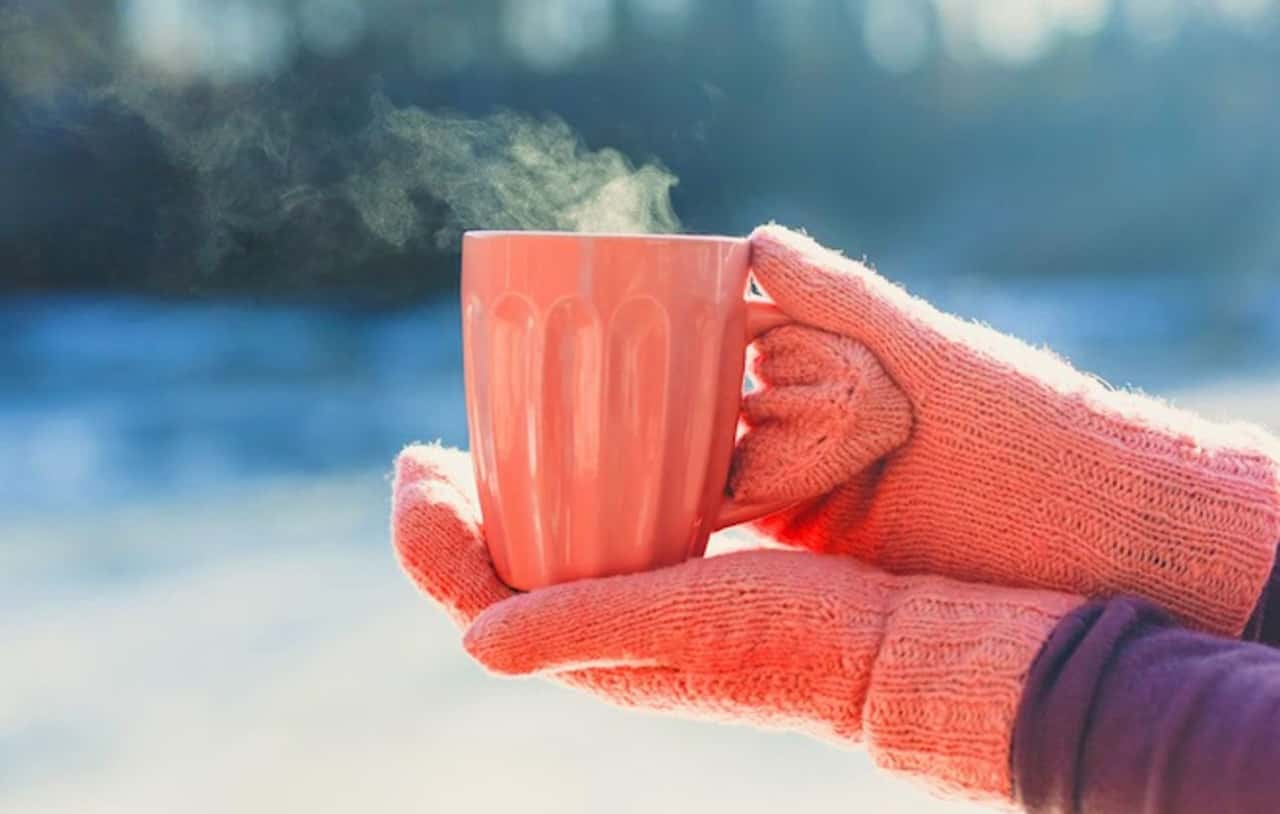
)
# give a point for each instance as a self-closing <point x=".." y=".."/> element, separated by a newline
<point x="1018" y="469"/>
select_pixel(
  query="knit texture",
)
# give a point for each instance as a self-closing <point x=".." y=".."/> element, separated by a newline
<point x="925" y="671"/>
<point x="1016" y="470"/>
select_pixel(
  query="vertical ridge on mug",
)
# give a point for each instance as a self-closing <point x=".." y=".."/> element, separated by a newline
<point x="568" y="352"/>
<point x="636" y="376"/>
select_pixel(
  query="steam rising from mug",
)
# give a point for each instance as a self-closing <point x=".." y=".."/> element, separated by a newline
<point x="504" y="172"/>
<point x="301" y="174"/>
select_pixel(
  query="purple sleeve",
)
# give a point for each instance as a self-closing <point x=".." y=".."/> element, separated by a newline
<point x="1126" y="712"/>
<point x="1264" y="625"/>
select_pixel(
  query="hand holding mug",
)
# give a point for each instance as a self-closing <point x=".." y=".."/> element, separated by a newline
<point x="1018" y="469"/>
<point x="913" y="447"/>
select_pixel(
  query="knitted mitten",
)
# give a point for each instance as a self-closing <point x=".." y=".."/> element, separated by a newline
<point x="1015" y="469"/>
<point x="927" y="672"/>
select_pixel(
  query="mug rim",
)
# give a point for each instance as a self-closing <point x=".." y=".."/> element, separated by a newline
<point x="618" y="236"/>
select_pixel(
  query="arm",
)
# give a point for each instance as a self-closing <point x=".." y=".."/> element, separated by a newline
<point x="1126" y="712"/>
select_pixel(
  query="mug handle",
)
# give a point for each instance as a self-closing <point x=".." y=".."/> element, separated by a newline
<point x="762" y="316"/>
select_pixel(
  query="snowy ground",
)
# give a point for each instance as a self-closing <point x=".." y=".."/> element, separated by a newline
<point x="190" y="625"/>
<point x="307" y="675"/>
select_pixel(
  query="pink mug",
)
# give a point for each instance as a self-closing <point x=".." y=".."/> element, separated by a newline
<point x="604" y="381"/>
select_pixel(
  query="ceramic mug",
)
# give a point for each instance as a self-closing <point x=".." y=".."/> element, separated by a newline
<point x="604" y="378"/>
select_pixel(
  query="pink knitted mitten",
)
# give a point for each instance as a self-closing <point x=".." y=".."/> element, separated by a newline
<point x="1015" y="470"/>
<point x="927" y="672"/>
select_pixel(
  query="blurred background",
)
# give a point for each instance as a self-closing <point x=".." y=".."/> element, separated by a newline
<point x="229" y="238"/>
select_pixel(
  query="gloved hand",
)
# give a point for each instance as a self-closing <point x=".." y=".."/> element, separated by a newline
<point x="927" y="672"/>
<point x="1015" y="469"/>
